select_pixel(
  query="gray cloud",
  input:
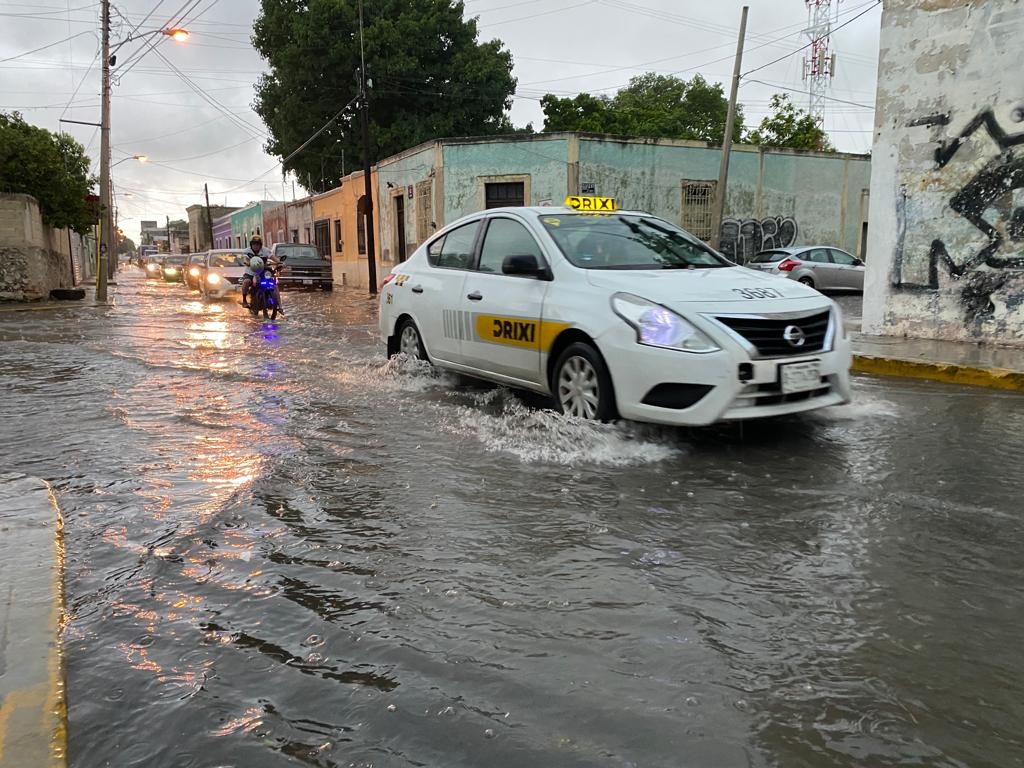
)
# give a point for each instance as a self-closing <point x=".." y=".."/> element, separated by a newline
<point x="566" y="48"/>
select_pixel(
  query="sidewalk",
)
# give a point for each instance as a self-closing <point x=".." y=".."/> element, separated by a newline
<point x="953" y="362"/>
<point x="33" y="729"/>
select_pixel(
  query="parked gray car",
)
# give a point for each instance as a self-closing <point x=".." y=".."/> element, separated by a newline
<point x="821" y="267"/>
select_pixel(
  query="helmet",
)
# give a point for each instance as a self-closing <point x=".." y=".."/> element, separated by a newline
<point x="256" y="264"/>
<point x="256" y="239"/>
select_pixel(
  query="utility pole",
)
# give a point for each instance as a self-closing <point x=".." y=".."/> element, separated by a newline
<point x="723" y="168"/>
<point x="168" y="218"/>
<point x="209" y="217"/>
<point x="106" y="221"/>
<point x="371" y="258"/>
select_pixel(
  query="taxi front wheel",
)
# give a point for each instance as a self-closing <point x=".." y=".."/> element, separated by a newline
<point x="409" y="341"/>
<point x="582" y="385"/>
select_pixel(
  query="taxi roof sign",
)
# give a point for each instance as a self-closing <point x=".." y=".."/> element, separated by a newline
<point x="591" y="204"/>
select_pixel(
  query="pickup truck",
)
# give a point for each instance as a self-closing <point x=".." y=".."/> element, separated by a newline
<point x="305" y="267"/>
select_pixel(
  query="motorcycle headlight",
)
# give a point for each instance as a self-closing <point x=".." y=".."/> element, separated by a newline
<point x="213" y="278"/>
<point x="658" y="326"/>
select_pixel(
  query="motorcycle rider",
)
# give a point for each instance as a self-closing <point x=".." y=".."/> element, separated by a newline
<point x="256" y="248"/>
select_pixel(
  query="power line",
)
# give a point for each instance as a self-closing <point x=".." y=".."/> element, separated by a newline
<point x="796" y="90"/>
<point x="48" y="45"/>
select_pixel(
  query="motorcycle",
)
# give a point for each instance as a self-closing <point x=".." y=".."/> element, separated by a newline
<point x="264" y="287"/>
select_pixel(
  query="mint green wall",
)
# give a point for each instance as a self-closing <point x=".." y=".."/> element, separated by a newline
<point x="403" y="172"/>
<point x="245" y="222"/>
<point x="544" y="159"/>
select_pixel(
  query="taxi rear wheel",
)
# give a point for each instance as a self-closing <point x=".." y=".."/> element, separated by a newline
<point x="582" y="385"/>
<point x="409" y="341"/>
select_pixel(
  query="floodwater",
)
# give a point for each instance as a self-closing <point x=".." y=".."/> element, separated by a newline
<point x="284" y="550"/>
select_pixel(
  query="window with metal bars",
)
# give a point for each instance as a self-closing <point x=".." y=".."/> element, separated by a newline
<point x="698" y="208"/>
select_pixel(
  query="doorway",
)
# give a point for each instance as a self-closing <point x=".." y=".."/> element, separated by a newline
<point x="400" y="224"/>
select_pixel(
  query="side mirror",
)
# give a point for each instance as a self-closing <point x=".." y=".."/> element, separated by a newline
<point x="284" y="258"/>
<point x="524" y="264"/>
<point x="858" y="263"/>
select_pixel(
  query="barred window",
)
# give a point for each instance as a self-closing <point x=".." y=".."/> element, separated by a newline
<point x="698" y="208"/>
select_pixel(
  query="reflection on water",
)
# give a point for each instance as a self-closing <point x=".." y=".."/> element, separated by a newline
<point x="283" y="550"/>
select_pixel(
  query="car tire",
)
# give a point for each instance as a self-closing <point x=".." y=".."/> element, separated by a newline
<point x="409" y="340"/>
<point x="582" y="385"/>
<point x="806" y="281"/>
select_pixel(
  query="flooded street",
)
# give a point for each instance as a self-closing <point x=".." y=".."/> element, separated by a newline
<point x="282" y="549"/>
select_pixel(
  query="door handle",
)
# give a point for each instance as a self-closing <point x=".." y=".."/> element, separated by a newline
<point x="417" y="289"/>
<point x="474" y="296"/>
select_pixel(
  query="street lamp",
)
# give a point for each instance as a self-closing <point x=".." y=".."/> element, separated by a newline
<point x="107" y="238"/>
<point x="140" y="158"/>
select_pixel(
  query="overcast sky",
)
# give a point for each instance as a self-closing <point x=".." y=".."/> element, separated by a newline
<point x="563" y="47"/>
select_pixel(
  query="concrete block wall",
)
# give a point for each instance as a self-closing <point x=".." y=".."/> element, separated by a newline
<point x="947" y="187"/>
<point x="34" y="259"/>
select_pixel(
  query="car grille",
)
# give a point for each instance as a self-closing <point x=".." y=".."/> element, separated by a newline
<point x="303" y="272"/>
<point x="768" y="334"/>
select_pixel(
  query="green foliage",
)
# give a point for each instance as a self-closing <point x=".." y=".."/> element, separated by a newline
<point x="51" y="167"/>
<point x="125" y="244"/>
<point x="788" y="126"/>
<point x="431" y="78"/>
<point x="652" y="105"/>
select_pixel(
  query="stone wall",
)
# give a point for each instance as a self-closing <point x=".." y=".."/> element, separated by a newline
<point x="947" y="186"/>
<point x="34" y="259"/>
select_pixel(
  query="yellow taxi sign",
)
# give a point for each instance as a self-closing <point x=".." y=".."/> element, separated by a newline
<point x="591" y="204"/>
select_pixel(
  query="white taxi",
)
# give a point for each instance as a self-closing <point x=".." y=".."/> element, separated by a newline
<point x="614" y="313"/>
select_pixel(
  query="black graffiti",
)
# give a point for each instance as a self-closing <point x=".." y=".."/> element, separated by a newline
<point x="995" y="182"/>
<point x="741" y="239"/>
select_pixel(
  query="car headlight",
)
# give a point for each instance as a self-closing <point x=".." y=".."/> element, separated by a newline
<point x="213" y="278"/>
<point x="152" y="267"/>
<point x="194" y="271"/>
<point x="658" y="326"/>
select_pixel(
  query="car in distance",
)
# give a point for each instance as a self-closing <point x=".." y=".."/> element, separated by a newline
<point x="193" y="270"/>
<point x="222" y="272"/>
<point x="307" y="268"/>
<point x="614" y="313"/>
<point x="172" y="267"/>
<point x="822" y="267"/>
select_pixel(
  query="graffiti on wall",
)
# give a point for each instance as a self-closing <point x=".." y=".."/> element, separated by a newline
<point x="740" y="239"/>
<point x="986" y="200"/>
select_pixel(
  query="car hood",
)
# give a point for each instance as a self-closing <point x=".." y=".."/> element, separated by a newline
<point x="682" y="288"/>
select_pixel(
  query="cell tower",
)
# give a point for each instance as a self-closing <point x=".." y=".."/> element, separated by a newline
<point x="820" y="63"/>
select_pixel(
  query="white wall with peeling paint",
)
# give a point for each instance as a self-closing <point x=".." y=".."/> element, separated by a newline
<point x="947" y="186"/>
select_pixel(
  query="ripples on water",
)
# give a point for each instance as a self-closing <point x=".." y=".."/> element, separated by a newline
<point x="284" y="550"/>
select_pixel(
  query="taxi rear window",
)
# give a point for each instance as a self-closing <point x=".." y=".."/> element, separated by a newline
<point x="628" y="241"/>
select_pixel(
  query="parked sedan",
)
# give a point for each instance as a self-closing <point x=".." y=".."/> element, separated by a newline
<point x="821" y="267"/>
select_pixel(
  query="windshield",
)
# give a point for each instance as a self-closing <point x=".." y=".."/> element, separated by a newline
<point x="766" y="257"/>
<point x="628" y="241"/>
<point x="226" y="260"/>
<point x="299" y="252"/>
<point x="174" y="260"/>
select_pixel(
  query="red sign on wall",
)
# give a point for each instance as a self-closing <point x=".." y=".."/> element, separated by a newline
<point x="409" y="192"/>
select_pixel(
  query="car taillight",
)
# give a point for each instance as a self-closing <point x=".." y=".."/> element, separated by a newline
<point x="388" y="278"/>
<point x="788" y="265"/>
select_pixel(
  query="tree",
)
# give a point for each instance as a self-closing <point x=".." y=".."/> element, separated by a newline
<point x="52" y="167"/>
<point x="788" y="126"/>
<point x="429" y="78"/>
<point x="658" y="106"/>
<point x="124" y="244"/>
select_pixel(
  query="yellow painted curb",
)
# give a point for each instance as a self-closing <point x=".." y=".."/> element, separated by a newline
<point x="33" y="719"/>
<point x="994" y="378"/>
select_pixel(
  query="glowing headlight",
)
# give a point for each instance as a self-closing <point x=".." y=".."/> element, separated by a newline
<point x="213" y="278"/>
<point x="657" y="326"/>
<point x="194" y="271"/>
<point x="170" y="270"/>
<point x="152" y="267"/>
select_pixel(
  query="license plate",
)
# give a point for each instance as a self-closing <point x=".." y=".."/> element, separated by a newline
<point x="307" y="282"/>
<point x="799" y="377"/>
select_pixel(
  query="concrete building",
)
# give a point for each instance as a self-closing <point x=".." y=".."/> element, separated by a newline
<point x="275" y="224"/>
<point x="339" y="229"/>
<point x="222" y="232"/>
<point x="776" y="197"/>
<point x="947" y="190"/>
<point x="300" y="220"/>
<point x="199" y="225"/>
<point x="248" y="221"/>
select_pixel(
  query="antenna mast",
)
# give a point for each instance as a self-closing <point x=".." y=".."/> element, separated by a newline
<point x="820" y="63"/>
